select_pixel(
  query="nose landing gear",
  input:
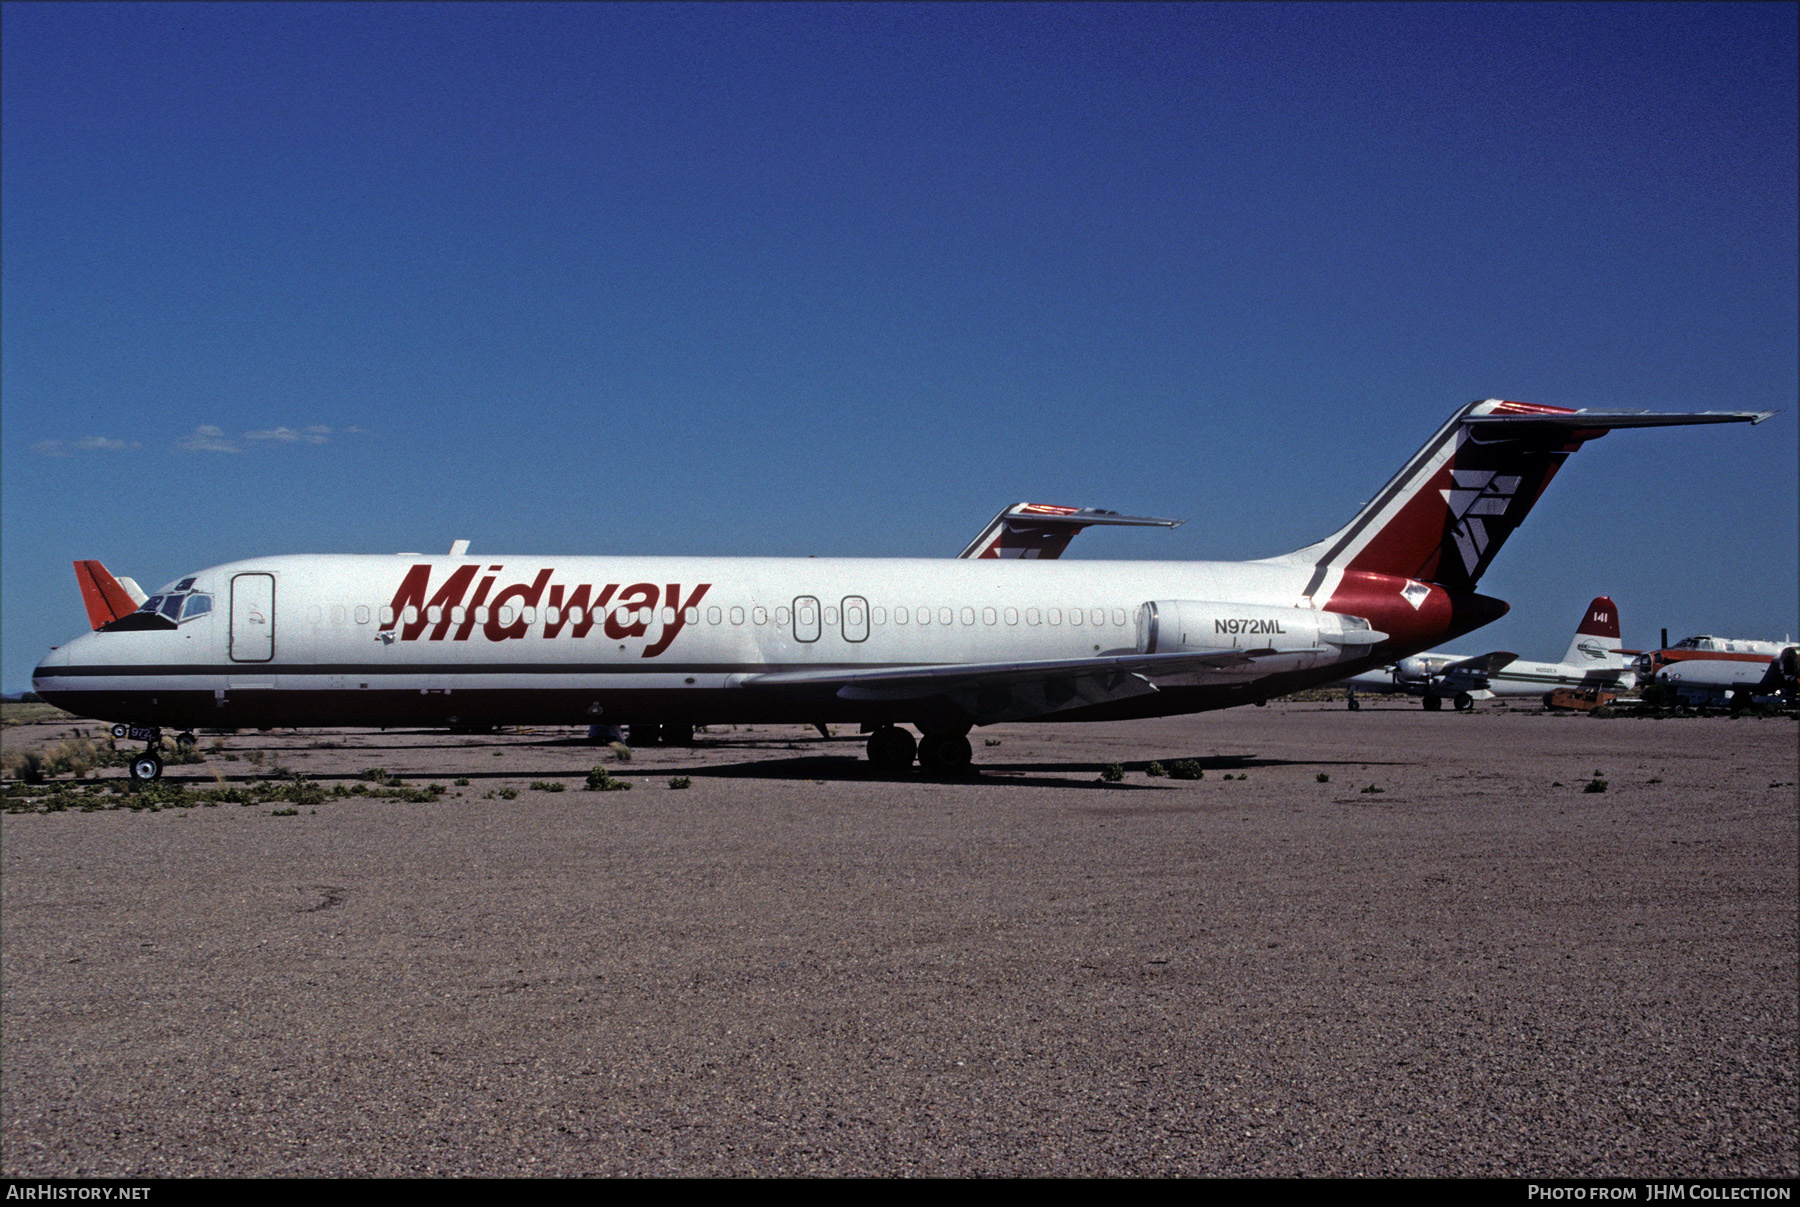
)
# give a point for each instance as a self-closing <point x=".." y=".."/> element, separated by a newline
<point x="147" y="767"/>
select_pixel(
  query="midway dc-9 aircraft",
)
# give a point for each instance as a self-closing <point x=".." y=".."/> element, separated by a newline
<point x="941" y="644"/>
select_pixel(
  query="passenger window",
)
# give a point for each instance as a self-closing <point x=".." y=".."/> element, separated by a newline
<point x="434" y="614"/>
<point x="713" y="616"/>
<point x="760" y="615"/>
<point x="806" y="618"/>
<point x="781" y="617"/>
<point x="1075" y="616"/>
<point x="577" y="616"/>
<point x="1031" y="616"/>
<point x="988" y="616"/>
<point x="878" y="615"/>
<point x="924" y="615"/>
<point x="1012" y="616"/>
<point x="691" y="616"/>
<point x="362" y="613"/>
<point x="1119" y="617"/>
<point x="856" y="618"/>
<point x="900" y="615"/>
<point x="552" y="616"/>
<point x="668" y="615"/>
<point x="507" y="616"/>
<point x="411" y="615"/>
<point x="528" y="615"/>
<point x="481" y="614"/>
<point x="387" y="615"/>
<point x="1099" y="616"/>
<point x="1054" y="617"/>
<point x="945" y="615"/>
<point x="337" y="614"/>
<point x="968" y="615"/>
<point x="737" y="616"/>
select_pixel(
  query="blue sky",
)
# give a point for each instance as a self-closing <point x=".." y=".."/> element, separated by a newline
<point x="845" y="280"/>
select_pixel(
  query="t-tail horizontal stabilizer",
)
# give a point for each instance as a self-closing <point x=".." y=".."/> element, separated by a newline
<point x="1444" y="516"/>
<point x="1042" y="531"/>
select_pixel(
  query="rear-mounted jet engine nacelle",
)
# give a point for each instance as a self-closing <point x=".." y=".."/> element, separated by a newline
<point x="1173" y="626"/>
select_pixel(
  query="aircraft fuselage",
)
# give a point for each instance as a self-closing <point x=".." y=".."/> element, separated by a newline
<point x="407" y="640"/>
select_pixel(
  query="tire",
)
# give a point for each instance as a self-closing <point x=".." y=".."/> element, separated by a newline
<point x="1433" y="703"/>
<point x="1464" y="701"/>
<point x="146" y="769"/>
<point x="945" y="753"/>
<point x="678" y="735"/>
<point x="186" y="741"/>
<point x="121" y="731"/>
<point x="892" y="747"/>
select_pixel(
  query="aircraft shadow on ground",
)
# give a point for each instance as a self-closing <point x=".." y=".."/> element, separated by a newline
<point x="841" y="768"/>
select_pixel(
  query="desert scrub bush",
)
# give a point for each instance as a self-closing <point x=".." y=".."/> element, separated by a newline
<point x="178" y="754"/>
<point x="600" y="780"/>
<point x="508" y="794"/>
<point x="620" y="751"/>
<point x="1595" y="785"/>
<point x="548" y="786"/>
<point x="1186" y="769"/>
<point x="375" y="775"/>
<point x="1323" y="778"/>
<point x="461" y="781"/>
<point x="1156" y="771"/>
<point x="1113" y="773"/>
<point x="678" y="781"/>
<point x="27" y="766"/>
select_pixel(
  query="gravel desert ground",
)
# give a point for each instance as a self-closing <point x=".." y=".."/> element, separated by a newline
<point x="1379" y="943"/>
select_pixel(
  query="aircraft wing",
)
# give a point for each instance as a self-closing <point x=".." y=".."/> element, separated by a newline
<point x="1474" y="672"/>
<point x="1012" y="691"/>
<point x="1043" y="530"/>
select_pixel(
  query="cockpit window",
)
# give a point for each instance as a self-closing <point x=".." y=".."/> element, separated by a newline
<point x="197" y="605"/>
<point x="154" y="603"/>
<point x="184" y="584"/>
<point x="172" y="607"/>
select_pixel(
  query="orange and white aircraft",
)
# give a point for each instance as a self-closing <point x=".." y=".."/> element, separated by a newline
<point x="943" y="644"/>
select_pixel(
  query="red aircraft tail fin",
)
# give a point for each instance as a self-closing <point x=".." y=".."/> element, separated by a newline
<point x="1444" y="516"/>
<point x="1602" y="619"/>
<point x="106" y="600"/>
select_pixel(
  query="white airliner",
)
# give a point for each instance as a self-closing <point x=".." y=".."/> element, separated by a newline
<point x="1707" y="669"/>
<point x="943" y="644"/>
<point x="1593" y="660"/>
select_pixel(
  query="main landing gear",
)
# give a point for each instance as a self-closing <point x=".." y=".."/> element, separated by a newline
<point x="939" y="752"/>
<point x="147" y="767"/>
